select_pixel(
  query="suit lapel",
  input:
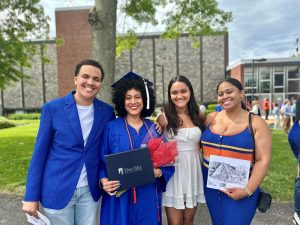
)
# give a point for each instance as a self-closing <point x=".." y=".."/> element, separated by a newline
<point x="96" y="122"/>
<point x="72" y="114"/>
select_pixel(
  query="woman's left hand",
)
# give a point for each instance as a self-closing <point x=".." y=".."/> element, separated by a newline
<point x="157" y="172"/>
<point x="235" y="193"/>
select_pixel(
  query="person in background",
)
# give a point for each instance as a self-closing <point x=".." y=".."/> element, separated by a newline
<point x="134" y="100"/>
<point x="276" y="114"/>
<point x="255" y="108"/>
<point x="63" y="172"/>
<point x="266" y="108"/>
<point x="294" y="140"/>
<point x="286" y="112"/>
<point x="228" y="135"/>
<point x="293" y="110"/>
<point x="202" y="109"/>
<point x="183" y="122"/>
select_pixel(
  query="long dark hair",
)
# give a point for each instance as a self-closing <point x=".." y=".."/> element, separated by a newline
<point x="235" y="83"/>
<point x="174" y="121"/>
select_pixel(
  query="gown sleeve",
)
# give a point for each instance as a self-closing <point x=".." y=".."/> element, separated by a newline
<point x="162" y="181"/>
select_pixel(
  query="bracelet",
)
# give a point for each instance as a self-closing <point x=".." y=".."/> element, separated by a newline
<point x="160" y="175"/>
<point x="249" y="192"/>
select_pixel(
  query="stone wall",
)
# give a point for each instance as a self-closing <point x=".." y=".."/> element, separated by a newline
<point x="214" y="62"/>
<point x="205" y="66"/>
<point x="206" y="63"/>
<point x="42" y="86"/>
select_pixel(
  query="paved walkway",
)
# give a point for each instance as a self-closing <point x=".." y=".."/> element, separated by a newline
<point x="279" y="214"/>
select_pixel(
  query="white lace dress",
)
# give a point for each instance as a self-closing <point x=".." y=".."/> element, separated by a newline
<point x="185" y="188"/>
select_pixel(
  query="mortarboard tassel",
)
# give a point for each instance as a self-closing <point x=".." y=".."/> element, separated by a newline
<point x="134" y="195"/>
<point x="147" y="93"/>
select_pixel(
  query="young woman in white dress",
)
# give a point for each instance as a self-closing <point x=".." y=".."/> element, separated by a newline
<point x="183" y="122"/>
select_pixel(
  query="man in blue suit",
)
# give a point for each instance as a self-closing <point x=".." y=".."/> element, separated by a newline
<point x="63" y="173"/>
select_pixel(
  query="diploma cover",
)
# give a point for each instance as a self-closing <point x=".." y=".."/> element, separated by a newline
<point x="131" y="168"/>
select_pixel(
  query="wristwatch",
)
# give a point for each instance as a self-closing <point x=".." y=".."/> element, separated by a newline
<point x="248" y="191"/>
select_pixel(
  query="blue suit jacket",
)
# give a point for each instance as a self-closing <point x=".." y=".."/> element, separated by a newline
<point x="59" y="153"/>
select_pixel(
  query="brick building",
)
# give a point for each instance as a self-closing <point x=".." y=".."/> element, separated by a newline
<point x="204" y="66"/>
<point x="275" y="79"/>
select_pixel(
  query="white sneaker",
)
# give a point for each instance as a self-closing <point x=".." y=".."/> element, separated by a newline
<point x="296" y="218"/>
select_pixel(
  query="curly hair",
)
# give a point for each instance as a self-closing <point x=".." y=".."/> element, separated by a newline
<point x="119" y="93"/>
<point x="173" y="119"/>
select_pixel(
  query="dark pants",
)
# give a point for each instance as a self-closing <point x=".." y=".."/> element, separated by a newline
<point x="267" y="111"/>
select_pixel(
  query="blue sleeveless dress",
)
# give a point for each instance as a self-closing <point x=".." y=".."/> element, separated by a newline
<point x="224" y="210"/>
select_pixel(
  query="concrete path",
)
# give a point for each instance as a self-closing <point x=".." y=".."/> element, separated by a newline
<point x="279" y="214"/>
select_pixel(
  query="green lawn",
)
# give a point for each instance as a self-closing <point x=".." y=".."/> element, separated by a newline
<point x="283" y="170"/>
<point x="16" y="145"/>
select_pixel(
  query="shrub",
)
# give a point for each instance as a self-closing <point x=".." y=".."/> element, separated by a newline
<point x="5" y="123"/>
<point x="26" y="116"/>
<point x="211" y="108"/>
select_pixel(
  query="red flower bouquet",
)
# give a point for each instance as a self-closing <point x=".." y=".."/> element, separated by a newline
<point x="162" y="153"/>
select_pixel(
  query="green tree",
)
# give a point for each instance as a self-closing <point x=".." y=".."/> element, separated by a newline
<point x="20" y="21"/>
<point x="194" y="17"/>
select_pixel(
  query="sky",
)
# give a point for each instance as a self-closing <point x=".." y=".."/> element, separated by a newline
<point x="260" y="28"/>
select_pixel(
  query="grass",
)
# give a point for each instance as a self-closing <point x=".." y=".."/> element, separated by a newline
<point x="16" y="145"/>
<point x="283" y="169"/>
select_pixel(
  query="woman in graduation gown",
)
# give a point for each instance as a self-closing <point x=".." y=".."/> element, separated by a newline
<point x="134" y="100"/>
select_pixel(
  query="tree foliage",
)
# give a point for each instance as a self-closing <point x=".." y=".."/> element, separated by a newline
<point x="125" y="42"/>
<point x="195" y="17"/>
<point x="20" y="21"/>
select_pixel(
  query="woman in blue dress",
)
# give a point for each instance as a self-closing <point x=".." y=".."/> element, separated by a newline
<point x="134" y="101"/>
<point x="228" y="135"/>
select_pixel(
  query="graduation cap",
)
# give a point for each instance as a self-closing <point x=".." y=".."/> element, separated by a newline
<point x="133" y="76"/>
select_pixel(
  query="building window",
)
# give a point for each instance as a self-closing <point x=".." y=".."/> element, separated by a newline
<point x="264" y="73"/>
<point x="265" y="86"/>
<point x="248" y="84"/>
<point x="293" y="72"/>
<point x="248" y="77"/>
<point x="293" y="85"/>
<point x="248" y="81"/>
<point x="264" y="80"/>
<point x="279" y="80"/>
